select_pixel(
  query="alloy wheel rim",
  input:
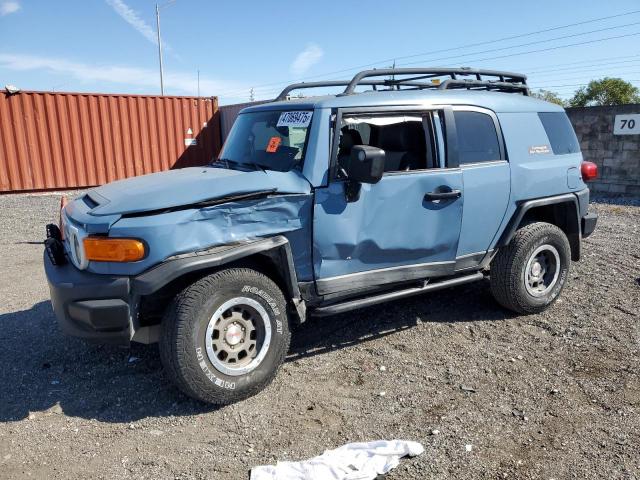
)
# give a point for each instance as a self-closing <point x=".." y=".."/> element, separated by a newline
<point x="542" y="271"/>
<point x="238" y="336"/>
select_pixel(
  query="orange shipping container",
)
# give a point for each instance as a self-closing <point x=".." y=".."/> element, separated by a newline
<point x="73" y="140"/>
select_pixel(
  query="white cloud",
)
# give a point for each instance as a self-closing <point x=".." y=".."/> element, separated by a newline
<point x="7" y="8"/>
<point x="184" y="83"/>
<point x="132" y="18"/>
<point x="307" y="58"/>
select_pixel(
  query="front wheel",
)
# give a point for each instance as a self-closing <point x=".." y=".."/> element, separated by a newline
<point x="528" y="275"/>
<point x="225" y="336"/>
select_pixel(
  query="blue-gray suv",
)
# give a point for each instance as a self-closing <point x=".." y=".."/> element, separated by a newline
<point x="408" y="181"/>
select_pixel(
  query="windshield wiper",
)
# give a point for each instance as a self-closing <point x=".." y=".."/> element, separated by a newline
<point x="258" y="166"/>
<point x="223" y="161"/>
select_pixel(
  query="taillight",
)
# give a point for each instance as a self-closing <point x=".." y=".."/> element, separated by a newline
<point x="589" y="171"/>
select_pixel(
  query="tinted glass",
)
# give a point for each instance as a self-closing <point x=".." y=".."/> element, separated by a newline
<point x="560" y="132"/>
<point x="273" y="140"/>
<point x="477" y="137"/>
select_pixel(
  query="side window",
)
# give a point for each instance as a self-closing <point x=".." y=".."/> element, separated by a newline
<point x="560" y="132"/>
<point x="407" y="139"/>
<point x="477" y="137"/>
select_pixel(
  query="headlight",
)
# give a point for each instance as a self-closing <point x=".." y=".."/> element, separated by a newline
<point x="105" y="249"/>
<point x="76" y="247"/>
<point x="72" y="239"/>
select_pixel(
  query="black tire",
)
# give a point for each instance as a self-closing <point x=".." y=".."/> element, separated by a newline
<point x="183" y="348"/>
<point x="510" y="275"/>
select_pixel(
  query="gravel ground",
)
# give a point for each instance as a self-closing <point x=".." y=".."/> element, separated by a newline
<point x="555" y="395"/>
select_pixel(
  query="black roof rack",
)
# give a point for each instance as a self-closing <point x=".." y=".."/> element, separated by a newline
<point x="457" y="78"/>
<point x="344" y="83"/>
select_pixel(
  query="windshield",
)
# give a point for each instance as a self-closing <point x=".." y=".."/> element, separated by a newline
<point x="272" y="140"/>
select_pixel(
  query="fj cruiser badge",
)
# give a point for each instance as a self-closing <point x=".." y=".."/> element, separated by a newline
<point x="539" y="150"/>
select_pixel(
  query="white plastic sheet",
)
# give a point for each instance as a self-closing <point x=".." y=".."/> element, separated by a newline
<point x="353" y="461"/>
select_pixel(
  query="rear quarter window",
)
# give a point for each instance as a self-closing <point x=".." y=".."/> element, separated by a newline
<point x="477" y="137"/>
<point x="560" y="132"/>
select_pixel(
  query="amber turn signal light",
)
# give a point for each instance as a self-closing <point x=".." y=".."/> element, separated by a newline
<point x="104" y="249"/>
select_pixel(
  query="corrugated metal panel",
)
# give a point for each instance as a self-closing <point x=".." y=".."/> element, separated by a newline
<point x="69" y="140"/>
<point x="229" y="113"/>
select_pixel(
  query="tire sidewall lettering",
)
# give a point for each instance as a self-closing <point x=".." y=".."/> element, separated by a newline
<point x="269" y="300"/>
<point x="204" y="366"/>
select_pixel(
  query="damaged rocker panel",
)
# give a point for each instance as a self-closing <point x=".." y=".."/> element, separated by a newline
<point x="384" y="276"/>
<point x="395" y="275"/>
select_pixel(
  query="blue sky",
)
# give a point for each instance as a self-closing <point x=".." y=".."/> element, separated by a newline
<point x="110" y="46"/>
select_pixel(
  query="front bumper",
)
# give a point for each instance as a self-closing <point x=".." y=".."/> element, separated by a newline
<point x="93" y="307"/>
<point x="588" y="224"/>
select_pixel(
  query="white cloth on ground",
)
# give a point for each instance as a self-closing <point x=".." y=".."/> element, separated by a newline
<point x="353" y="461"/>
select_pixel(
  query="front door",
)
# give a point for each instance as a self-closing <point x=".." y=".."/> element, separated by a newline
<point x="406" y="226"/>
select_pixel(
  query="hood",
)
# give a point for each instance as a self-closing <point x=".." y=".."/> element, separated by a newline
<point x="176" y="188"/>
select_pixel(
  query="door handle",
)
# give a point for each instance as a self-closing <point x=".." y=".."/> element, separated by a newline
<point x="450" y="195"/>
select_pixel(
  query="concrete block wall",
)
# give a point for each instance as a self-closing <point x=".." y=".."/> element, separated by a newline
<point x="617" y="156"/>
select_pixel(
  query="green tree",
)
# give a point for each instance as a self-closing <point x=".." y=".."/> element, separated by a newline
<point x="548" y="96"/>
<point x="608" y="91"/>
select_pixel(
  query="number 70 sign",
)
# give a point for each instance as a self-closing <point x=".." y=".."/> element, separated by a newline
<point x="627" y="124"/>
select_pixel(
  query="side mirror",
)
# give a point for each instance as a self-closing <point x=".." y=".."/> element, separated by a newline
<point x="366" y="164"/>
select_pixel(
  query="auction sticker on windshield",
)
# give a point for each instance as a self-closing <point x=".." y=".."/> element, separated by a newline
<point x="295" y="119"/>
<point x="274" y="143"/>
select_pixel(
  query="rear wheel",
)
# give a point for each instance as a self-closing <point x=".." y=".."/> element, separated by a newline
<point x="225" y="336"/>
<point x="528" y="275"/>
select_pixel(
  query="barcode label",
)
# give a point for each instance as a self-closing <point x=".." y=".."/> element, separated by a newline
<point x="295" y="119"/>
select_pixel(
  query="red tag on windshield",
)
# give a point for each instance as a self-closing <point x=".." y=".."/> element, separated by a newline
<point x="274" y="143"/>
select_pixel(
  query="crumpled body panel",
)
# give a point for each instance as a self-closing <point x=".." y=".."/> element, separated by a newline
<point x="389" y="225"/>
<point x="187" y="186"/>
<point x="190" y="230"/>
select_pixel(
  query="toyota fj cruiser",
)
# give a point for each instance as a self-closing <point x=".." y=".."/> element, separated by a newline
<point x="428" y="178"/>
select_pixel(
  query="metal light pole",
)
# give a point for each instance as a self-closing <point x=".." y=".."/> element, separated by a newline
<point x="159" y="49"/>
<point x="158" y="8"/>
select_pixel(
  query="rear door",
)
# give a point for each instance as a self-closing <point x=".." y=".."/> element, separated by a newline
<point x="406" y="226"/>
<point x="487" y="181"/>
